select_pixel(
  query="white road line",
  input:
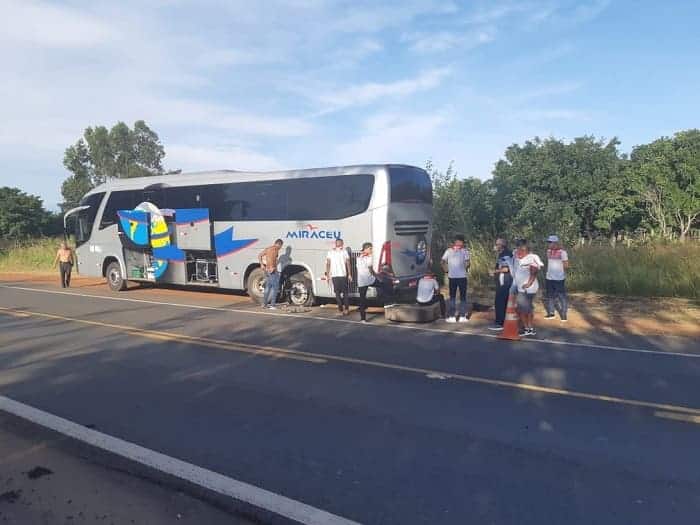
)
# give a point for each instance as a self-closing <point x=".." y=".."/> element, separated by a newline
<point x="368" y="325"/>
<point x="260" y="498"/>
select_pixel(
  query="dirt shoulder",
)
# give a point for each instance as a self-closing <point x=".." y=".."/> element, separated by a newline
<point x="588" y="312"/>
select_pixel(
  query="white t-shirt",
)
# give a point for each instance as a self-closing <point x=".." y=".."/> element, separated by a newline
<point x="338" y="257"/>
<point x="364" y="275"/>
<point x="427" y="286"/>
<point x="555" y="264"/>
<point x="521" y="272"/>
<point x="456" y="262"/>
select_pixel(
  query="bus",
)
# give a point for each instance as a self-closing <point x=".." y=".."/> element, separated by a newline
<point x="206" y="229"/>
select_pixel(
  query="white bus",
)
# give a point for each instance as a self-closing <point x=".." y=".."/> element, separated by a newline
<point x="207" y="229"/>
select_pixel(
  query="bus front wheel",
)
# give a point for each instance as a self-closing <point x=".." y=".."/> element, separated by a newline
<point x="115" y="279"/>
<point x="256" y="285"/>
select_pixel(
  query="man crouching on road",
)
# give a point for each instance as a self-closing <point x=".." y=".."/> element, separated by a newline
<point x="268" y="262"/>
<point x="525" y="285"/>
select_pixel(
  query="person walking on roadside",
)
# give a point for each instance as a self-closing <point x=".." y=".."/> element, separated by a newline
<point x="525" y="285"/>
<point x="455" y="262"/>
<point x="366" y="277"/>
<point x="269" y="259"/>
<point x="504" y="280"/>
<point x="429" y="292"/>
<point x="65" y="259"/>
<point x="555" y="282"/>
<point x="338" y="270"/>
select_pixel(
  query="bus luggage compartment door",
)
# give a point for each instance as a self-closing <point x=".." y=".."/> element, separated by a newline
<point x="193" y="229"/>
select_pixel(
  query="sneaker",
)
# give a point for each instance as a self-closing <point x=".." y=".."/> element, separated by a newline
<point x="463" y="320"/>
<point x="522" y="332"/>
<point x="530" y="331"/>
<point x="363" y="321"/>
<point x="565" y="320"/>
<point x="450" y="320"/>
<point x="496" y="328"/>
<point x="549" y="316"/>
<point x="272" y="307"/>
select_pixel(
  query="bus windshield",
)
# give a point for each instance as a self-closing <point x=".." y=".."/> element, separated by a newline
<point x="410" y="185"/>
<point x="86" y="218"/>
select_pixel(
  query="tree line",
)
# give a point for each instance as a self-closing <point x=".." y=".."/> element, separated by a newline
<point x="583" y="189"/>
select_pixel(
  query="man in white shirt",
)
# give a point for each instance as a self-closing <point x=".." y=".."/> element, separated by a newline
<point x="455" y="262"/>
<point x="429" y="292"/>
<point x="525" y="285"/>
<point x="338" y="270"/>
<point x="555" y="283"/>
<point x="365" y="277"/>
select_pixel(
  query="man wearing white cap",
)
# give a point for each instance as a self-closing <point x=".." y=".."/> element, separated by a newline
<point x="555" y="282"/>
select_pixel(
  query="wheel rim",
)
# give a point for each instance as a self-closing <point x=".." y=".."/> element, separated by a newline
<point x="115" y="277"/>
<point x="259" y="286"/>
<point x="298" y="293"/>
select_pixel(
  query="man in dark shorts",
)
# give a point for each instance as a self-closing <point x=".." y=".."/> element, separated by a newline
<point x="65" y="258"/>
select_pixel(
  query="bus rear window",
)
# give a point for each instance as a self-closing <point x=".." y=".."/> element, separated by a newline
<point x="410" y="185"/>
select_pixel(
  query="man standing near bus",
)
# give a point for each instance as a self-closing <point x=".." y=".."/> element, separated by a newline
<point x="268" y="259"/>
<point x="555" y="282"/>
<point x="504" y="280"/>
<point x="366" y="277"/>
<point x="455" y="262"/>
<point x="65" y="258"/>
<point x="338" y="270"/>
<point x="525" y="284"/>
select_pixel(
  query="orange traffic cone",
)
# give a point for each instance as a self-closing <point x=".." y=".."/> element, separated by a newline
<point x="511" y="325"/>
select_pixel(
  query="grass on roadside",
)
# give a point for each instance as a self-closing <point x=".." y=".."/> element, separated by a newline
<point x="649" y="270"/>
<point x="35" y="255"/>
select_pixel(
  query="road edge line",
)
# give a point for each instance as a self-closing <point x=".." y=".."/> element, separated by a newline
<point x="279" y="505"/>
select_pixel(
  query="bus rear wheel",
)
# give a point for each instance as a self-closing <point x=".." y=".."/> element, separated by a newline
<point x="300" y="293"/>
<point x="115" y="279"/>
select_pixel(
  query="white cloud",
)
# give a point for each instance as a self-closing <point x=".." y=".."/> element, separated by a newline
<point x="496" y="12"/>
<point x="445" y="40"/>
<point x="370" y="92"/>
<point x="393" y="137"/>
<point x="37" y="23"/>
<point x="195" y="158"/>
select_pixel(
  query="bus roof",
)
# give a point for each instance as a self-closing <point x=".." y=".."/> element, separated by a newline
<point x="224" y="176"/>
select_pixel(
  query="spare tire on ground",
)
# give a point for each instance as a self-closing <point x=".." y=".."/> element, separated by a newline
<point x="412" y="313"/>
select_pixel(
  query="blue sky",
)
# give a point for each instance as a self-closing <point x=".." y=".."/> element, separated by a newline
<point x="302" y="83"/>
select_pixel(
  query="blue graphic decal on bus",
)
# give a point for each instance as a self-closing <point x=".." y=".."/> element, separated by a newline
<point x="420" y="253"/>
<point x="191" y="215"/>
<point x="135" y="224"/>
<point x="226" y="244"/>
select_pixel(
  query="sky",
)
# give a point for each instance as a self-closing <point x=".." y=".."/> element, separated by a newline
<point x="275" y="84"/>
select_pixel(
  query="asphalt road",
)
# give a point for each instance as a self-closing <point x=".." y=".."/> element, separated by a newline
<point x="376" y="423"/>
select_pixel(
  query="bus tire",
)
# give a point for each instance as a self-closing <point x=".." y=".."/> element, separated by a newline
<point x="412" y="313"/>
<point x="255" y="285"/>
<point x="301" y="292"/>
<point x="115" y="279"/>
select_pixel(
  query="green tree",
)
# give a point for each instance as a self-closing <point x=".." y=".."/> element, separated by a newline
<point x="665" y="176"/>
<point x="102" y="154"/>
<point x="547" y="186"/>
<point x="23" y="215"/>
